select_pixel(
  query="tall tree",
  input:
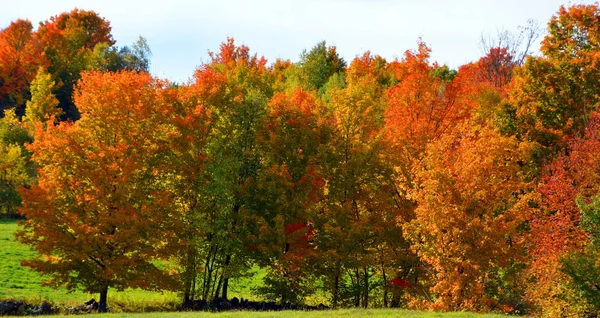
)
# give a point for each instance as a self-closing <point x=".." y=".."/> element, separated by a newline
<point x="21" y="54"/>
<point x="469" y="213"/>
<point x="319" y="64"/>
<point x="96" y="215"/>
<point x="43" y="105"/>
<point x="16" y="169"/>
<point x="234" y="89"/>
<point x="555" y="93"/>
<point x="69" y="40"/>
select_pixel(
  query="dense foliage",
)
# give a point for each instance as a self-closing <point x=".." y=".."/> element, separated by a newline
<point x="381" y="183"/>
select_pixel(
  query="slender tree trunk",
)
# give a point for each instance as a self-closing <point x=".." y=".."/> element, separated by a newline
<point x="366" y="292"/>
<point x="336" y="288"/>
<point x="357" y="289"/>
<point x="189" y="275"/>
<point x="103" y="296"/>
<point x="216" y="294"/>
<point x="225" y="279"/>
<point x="193" y="293"/>
<point x="385" y="291"/>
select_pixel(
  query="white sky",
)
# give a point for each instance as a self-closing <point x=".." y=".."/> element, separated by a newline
<point x="181" y="32"/>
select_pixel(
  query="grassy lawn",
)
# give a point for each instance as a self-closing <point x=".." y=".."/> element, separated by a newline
<point x="17" y="282"/>
<point x="303" y="314"/>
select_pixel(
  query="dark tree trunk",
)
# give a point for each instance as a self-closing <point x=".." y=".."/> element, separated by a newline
<point x="366" y="295"/>
<point x="225" y="288"/>
<point x="189" y="287"/>
<point x="385" y="291"/>
<point x="218" y="290"/>
<point x="225" y="278"/>
<point x="102" y="304"/>
<point x="336" y="289"/>
<point x="357" y="289"/>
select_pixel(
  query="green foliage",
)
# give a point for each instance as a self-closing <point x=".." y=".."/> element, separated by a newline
<point x="16" y="168"/>
<point x="319" y="64"/>
<point x="336" y="81"/>
<point x="112" y="58"/>
<point x="445" y="73"/>
<point x="582" y="266"/>
<point x="43" y="105"/>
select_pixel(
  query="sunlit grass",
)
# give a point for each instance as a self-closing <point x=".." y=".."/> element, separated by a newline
<point x="17" y="282"/>
<point x="303" y="314"/>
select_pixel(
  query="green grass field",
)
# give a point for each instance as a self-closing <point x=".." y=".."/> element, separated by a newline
<point x="17" y="282"/>
<point x="303" y="314"/>
<point x="20" y="283"/>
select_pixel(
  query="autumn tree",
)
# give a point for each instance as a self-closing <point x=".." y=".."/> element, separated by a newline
<point x="21" y="54"/>
<point x="16" y="169"/>
<point x="555" y="228"/>
<point x="359" y="196"/>
<point x="421" y="107"/>
<point x="286" y="193"/>
<point x="69" y="40"/>
<point x="555" y="93"/>
<point x="469" y="213"/>
<point x="96" y="215"/>
<point x="233" y="89"/>
<point x="43" y="104"/>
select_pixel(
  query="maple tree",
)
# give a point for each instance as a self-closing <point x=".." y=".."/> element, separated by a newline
<point x="68" y="42"/>
<point x="401" y="183"/>
<point x="286" y="193"/>
<point x="555" y="93"/>
<point x="555" y="230"/>
<point x="468" y="214"/>
<point x="421" y="106"/>
<point x="21" y="53"/>
<point x="358" y="198"/>
<point x="95" y="214"/>
<point x="234" y="89"/>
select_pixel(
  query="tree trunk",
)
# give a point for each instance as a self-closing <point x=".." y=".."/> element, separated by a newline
<point x="188" y="294"/>
<point x="102" y="304"/>
<point x="216" y="294"/>
<point x="385" y="287"/>
<point x="357" y="289"/>
<point x="366" y="294"/>
<point x="336" y="290"/>
<point x="225" y="287"/>
<point x="225" y="277"/>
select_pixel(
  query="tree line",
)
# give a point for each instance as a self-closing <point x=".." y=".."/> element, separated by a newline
<point x="381" y="183"/>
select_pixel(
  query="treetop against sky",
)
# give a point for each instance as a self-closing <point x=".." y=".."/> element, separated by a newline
<point x="181" y="32"/>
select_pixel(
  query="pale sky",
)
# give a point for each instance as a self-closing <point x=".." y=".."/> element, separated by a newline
<point x="181" y="32"/>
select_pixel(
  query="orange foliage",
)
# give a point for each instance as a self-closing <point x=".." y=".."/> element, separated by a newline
<point x="468" y="214"/>
<point x="21" y="54"/>
<point x="98" y="206"/>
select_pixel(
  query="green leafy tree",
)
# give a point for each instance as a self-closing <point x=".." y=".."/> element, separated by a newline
<point x="319" y="64"/>
<point x="582" y="266"/>
<point x="43" y="104"/>
<point x="16" y="169"/>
